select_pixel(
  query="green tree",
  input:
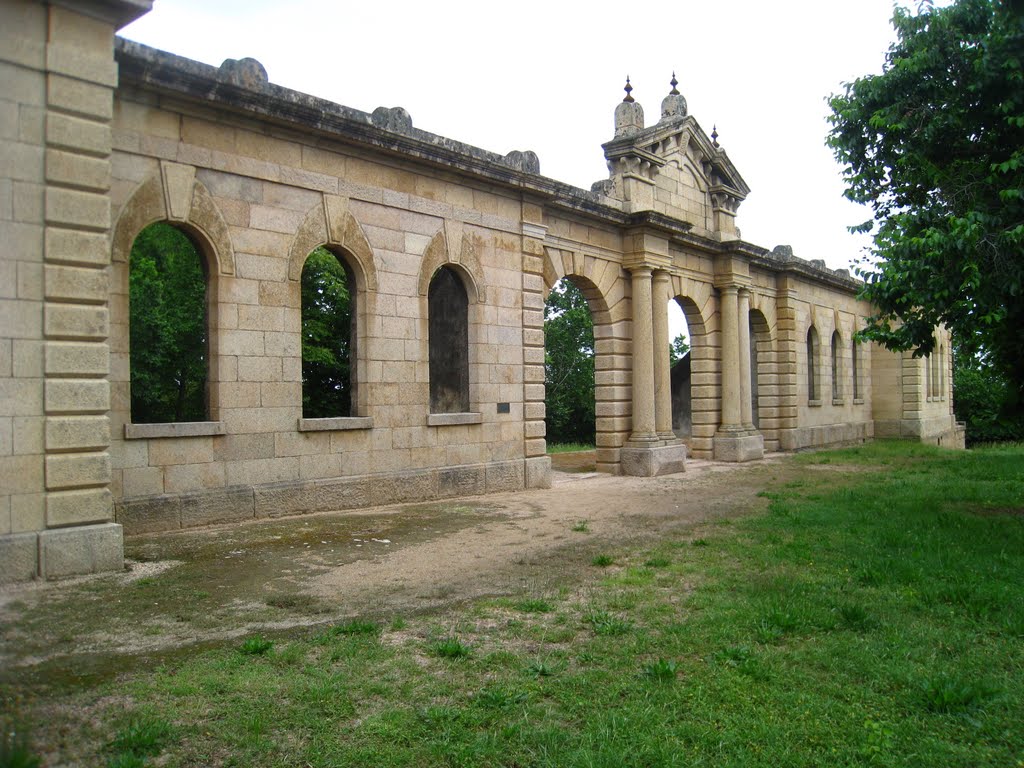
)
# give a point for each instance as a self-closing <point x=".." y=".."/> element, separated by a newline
<point x="326" y="337"/>
<point x="568" y="366"/>
<point x="677" y="349"/>
<point x="167" y="336"/>
<point x="935" y="145"/>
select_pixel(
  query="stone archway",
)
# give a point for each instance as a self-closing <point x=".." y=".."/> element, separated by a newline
<point x="696" y="394"/>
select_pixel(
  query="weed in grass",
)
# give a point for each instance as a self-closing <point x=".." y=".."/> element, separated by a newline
<point x="543" y="668"/>
<point x="143" y="736"/>
<point x="744" y="660"/>
<point x="398" y="624"/>
<point x="699" y="543"/>
<point x="603" y="561"/>
<point x="255" y="646"/>
<point x="855" y="617"/>
<point x="661" y="671"/>
<point x="581" y="527"/>
<point x="534" y="605"/>
<point x="658" y="562"/>
<point x="126" y="761"/>
<point x="356" y="627"/>
<point x="604" y="623"/>
<point x="450" y="648"/>
<point x="501" y="697"/>
<point x="767" y="633"/>
<point x="945" y="694"/>
<point x="15" y="751"/>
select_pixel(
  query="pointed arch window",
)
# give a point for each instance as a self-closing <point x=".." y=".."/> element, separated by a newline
<point x="813" y="383"/>
<point x="448" y="313"/>
<point x="837" y="368"/>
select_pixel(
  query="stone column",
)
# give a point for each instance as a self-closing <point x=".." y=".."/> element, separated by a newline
<point x="643" y="360"/>
<point x="746" y="403"/>
<point x="662" y="370"/>
<point x="730" y="358"/>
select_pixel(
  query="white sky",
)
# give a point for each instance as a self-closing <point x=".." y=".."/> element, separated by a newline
<point x="547" y="76"/>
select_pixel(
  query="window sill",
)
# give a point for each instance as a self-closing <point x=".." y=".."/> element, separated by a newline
<point x="858" y="401"/>
<point x="838" y="401"/>
<point x="173" y="429"/>
<point x="814" y="403"/>
<point x="339" y="423"/>
<point x="447" y="419"/>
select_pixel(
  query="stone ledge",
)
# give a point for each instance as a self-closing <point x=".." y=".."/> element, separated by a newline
<point x="335" y="424"/>
<point x="448" y="419"/>
<point x="175" y="429"/>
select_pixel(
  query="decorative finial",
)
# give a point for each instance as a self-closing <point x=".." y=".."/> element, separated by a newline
<point x="714" y="135"/>
<point x="673" y="82"/>
<point x="629" y="91"/>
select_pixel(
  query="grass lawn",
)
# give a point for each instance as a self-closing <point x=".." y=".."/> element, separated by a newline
<point x="569" y="447"/>
<point x="873" y="616"/>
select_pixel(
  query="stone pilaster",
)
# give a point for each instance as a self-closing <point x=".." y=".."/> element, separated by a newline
<point x="538" y="464"/>
<point x="662" y="369"/>
<point x="734" y="441"/>
<point x="786" y="368"/>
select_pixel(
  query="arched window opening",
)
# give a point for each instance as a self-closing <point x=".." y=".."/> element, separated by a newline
<point x="167" y="327"/>
<point x="569" y="409"/>
<point x="942" y="373"/>
<point x="328" y="336"/>
<point x="837" y="367"/>
<point x="813" y="391"/>
<point x="855" y="366"/>
<point x="448" y="312"/>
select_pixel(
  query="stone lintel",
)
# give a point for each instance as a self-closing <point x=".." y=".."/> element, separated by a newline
<point x="653" y="461"/>
<point x="738" y="445"/>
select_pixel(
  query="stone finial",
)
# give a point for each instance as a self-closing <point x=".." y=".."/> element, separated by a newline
<point x="673" y="105"/>
<point x="714" y="136"/>
<point x="394" y="119"/>
<point x="523" y="161"/>
<point x="245" y="73"/>
<point x="629" y="115"/>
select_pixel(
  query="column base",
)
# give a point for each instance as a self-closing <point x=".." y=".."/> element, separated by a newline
<point x="738" y="445"/>
<point x="653" y="461"/>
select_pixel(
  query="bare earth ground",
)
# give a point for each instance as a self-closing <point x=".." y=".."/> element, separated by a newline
<point x="198" y="588"/>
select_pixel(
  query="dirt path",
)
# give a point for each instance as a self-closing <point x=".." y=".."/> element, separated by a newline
<point x="208" y="586"/>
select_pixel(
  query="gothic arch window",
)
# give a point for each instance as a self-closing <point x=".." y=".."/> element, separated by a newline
<point x="167" y="327"/>
<point x="837" y="367"/>
<point x="813" y="385"/>
<point x="328" y="336"/>
<point x="448" y="328"/>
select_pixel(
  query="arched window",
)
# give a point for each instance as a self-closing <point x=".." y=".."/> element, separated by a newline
<point x="448" y="312"/>
<point x="942" y="373"/>
<point x="328" y="336"/>
<point x="168" y="337"/>
<point x="837" y="367"/>
<point x="855" y="366"/>
<point x="813" y="389"/>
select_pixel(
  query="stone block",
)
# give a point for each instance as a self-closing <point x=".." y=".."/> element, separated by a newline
<point x="91" y="173"/>
<point x="77" y="470"/>
<point x="538" y="472"/>
<point x="73" y="95"/>
<point x="19" y="557"/>
<point x="70" y="321"/>
<point x="461" y="481"/>
<point x="221" y="505"/>
<point x="653" y="461"/>
<point x="142" y="481"/>
<point x="87" y="210"/>
<point x="93" y="505"/>
<point x="77" y="396"/>
<point x="76" y="247"/>
<point x="738" y="446"/>
<point x="505" y="476"/>
<point x="149" y="514"/>
<point x="80" y="550"/>
<point x="402" y="487"/>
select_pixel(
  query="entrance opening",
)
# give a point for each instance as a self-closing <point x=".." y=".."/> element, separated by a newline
<point x="682" y="372"/>
<point x="569" y="368"/>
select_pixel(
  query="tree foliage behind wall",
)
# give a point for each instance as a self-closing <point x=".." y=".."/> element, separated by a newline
<point x="326" y="337"/>
<point x="568" y="366"/>
<point x="167" y="316"/>
<point x="982" y="399"/>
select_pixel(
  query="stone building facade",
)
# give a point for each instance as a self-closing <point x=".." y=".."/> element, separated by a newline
<point x="102" y="137"/>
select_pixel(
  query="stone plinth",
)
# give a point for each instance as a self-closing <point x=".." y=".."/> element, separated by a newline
<point x="653" y="461"/>
<point x="738" y="445"/>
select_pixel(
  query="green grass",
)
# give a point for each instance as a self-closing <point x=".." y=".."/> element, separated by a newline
<point x="873" y="615"/>
<point x="569" y="447"/>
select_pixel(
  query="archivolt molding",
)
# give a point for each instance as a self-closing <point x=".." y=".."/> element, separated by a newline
<point x="440" y="252"/>
<point x="596" y="272"/>
<point x="330" y="223"/>
<point x="175" y="196"/>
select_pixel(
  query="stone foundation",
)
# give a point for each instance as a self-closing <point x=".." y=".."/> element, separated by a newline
<point x="61" y="552"/>
<point x="150" y="514"/>
<point x="652" y="462"/>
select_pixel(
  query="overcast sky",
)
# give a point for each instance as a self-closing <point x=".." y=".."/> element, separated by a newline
<point x="547" y="75"/>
